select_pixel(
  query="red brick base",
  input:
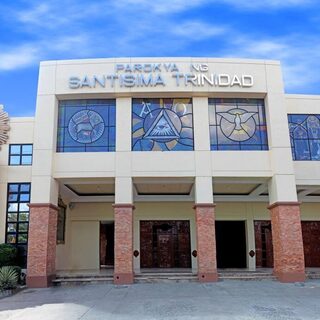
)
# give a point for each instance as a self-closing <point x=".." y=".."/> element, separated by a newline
<point x="208" y="277"/>
<point x="123" y="244"/>
<point x="40" y="281"/>
<point x="123" y="278"/>
<point x="287" y="242"/>
<point x="206" y="243"/>
<point x="41" y="245"/>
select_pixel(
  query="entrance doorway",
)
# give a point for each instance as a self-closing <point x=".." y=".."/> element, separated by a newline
<point x="310" y="237"/>
<point x="231" y="244"/>
<point x="106" y="244"/>
<point x="311" y="243"/>
<point x="263" y="243"/>
<point x="165" y="244"/>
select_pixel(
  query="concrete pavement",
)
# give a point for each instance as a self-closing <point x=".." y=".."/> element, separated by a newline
<point x="238" y="300"/>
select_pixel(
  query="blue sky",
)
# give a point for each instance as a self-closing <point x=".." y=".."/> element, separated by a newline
<point x="35" y="30"/>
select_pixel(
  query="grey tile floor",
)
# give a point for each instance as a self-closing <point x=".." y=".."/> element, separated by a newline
<point x="238" y="300"/>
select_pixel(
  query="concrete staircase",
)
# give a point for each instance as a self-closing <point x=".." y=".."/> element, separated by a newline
<point x="313" y="274"/>
<point x="82" y="279"/>
<point x="246" y="275"/>
<point x="173" y="277"/>
<point x="165" y="277"/>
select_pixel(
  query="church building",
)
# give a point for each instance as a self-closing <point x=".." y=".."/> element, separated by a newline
<point x="134" y="165"/>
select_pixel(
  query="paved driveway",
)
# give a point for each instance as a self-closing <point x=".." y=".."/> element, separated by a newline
<point x="239" y="300"/>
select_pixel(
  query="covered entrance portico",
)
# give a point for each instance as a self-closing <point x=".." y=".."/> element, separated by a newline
<point x="170" y="226"/>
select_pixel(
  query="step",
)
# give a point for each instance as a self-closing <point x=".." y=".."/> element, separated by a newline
<point x="313" y="275"/>
<point x="165" y="274"/>
<point x="165" y="277"/>
<point x="81" y="276"/>
<point x="247" y="278"/>
<point x="246" y="275"/>
<point x="81" y="280"/>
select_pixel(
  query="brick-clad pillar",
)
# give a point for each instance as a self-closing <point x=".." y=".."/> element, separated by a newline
<point x="206" y="242"/>
<point x="287" y="241"/>
<point x="123" y="243"/>
<point x="42" y="245"/>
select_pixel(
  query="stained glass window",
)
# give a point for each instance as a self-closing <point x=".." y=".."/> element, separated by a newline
<point x="162" y="125"/>
<point x="86" y="126"/>
<point x="305" y="136"/>
<point x="237" y="124"/>
<point x="18" y="218"/>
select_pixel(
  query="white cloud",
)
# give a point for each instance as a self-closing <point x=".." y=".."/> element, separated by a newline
<point x="34" y="14"/>
<point x="172" y="6"/>
<point x="198" y="30"/>
<point x="267" y="4"/>
<point x="298" y="55"/>
<point x="142" y="27"/>
<point x="21" y="56"/>
<point x="160" y="7"/>
<point x="18" y="57"/>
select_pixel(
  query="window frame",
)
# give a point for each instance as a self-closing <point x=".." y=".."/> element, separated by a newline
<point x="244" y="145"/>
<point x="18" y="221"/>
<point x="65" y="142"/>
<point x="20" y="154"/>
<point x="147" y="99"/>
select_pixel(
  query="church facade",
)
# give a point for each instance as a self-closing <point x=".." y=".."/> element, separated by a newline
<point x="140" y="164"/>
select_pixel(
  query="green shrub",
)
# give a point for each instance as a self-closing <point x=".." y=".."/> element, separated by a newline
<point x="8" y="254"/>
<point x="8" y="278"/>
<point x="17" y="269"/>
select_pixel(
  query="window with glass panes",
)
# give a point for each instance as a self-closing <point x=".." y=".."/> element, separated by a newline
<point x="20" y="154"/>
<point x="17" y="222"/>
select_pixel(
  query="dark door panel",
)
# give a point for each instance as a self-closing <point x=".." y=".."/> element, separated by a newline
<point x="231" y="244"/>
<point x="165" y="244"/>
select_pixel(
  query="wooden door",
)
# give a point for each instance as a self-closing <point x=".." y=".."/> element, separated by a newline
<point x="165" y="245"/>
<point x="263" y="242"/>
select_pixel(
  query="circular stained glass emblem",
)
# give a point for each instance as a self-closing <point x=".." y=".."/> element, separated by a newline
<point x="238" y="124"/>
<point x="86" y="126"/>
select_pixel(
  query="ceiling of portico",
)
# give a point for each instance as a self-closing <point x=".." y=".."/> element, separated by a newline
<point x="92" y="189"/>
<point x="240" y="189"/>
<point x="308" y="193"/>
<point x="88" y="190"/>
<point x="177" y="189"/>
<point x="163" y="186"/>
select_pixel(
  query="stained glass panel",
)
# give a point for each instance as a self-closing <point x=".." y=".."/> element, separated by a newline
<point x="86" y="126"/>
<point x="305" y="136"/>
<point x="237" y="124"/>
<point x="162" y="125"/>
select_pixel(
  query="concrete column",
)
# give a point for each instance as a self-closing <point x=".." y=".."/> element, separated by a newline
<point x="201" y="116"/>
<point x="287" y="241"/>
<point x="284" y="208"/>
<point x="44" y="188"/>
<point x="123" y="239"/>
<point x="205" y="226"/>
<point x="42" y="245"/>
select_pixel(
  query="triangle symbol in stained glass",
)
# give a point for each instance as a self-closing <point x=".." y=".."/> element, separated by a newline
<point x="162" y="128"/>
